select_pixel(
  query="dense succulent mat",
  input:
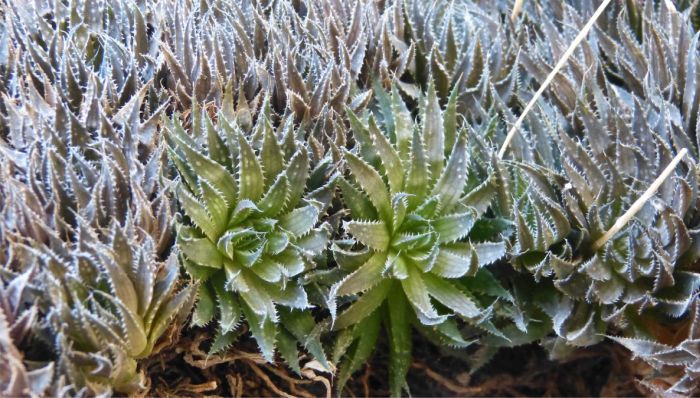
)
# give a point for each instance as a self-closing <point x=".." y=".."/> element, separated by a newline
<point x="199" y="193"/>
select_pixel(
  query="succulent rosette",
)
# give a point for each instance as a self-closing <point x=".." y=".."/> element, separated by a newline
<point x="250" y="230"/>
<point x="412" y="209"/>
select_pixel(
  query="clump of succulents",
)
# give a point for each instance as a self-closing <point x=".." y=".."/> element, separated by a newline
<point x="634" y="271"/>
<point x="251" y="228"/>
<point x="313" y="106"/>
<point x="682" y="353"/>
<point x="16" y="379"/>
<point x="305" y="56"/>
<point x="626" y="145"/>
<point x="106" y="324"/>
<point x="460" y="47"/>
<point x="627" y="89"/>
<point x="645" y="275"/>
<point x="84" y="204"/>
<point x="108" y="297"/>
<point x="18" y="324"/>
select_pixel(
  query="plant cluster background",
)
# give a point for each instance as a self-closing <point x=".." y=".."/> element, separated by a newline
<point x="302" y="197"/>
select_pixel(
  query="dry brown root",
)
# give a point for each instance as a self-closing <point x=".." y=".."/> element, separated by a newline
<point x="541" y="377"/>
<point x="185" y="369"/>
<point x="498" y="385"/>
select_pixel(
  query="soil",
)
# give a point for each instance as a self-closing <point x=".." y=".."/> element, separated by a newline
<point x="184" y="369"/>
